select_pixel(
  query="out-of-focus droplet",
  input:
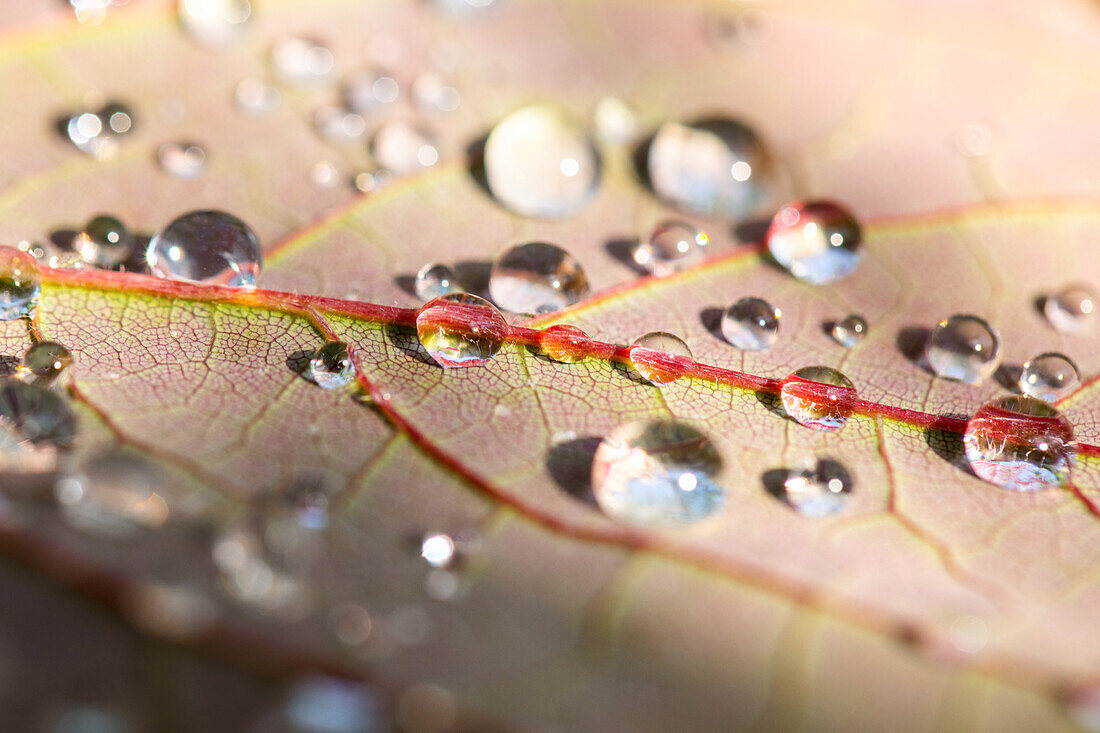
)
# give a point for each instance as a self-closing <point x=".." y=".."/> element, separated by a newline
<point x="818" y="397"/>
<point x="751" y="324"/>
<point x="434" y="280"/>
<point x="536" y="277"/>
<point x="1071" y="308"/>
<point x="403" y="147"/>
<point x="975" y="139"/>
<point x="20" y="282"/>
<point x="181" y="159"/>
<point x="1049" y="377"/>
<point x="372" y="181"/>
<point x="438" y="549"/>
<point x="540" y="163"/>
<point x="117" y="119"/>
<point x="816" y="241"/>
<point x="88" y="133"/>
<point x="461" y="330"/>
<point x="338" y="125"/>
<point x="331" y="367"/>
<point x="44" y="362"/>
<point x="256" y="576"/>
<point x="324" y="174"/>
<point x="817" y="492"/>
<point x="332" y="705"/>
<point x="105" y="242"/>
<point x="565" y="343"/>
<point x="350" y="624"/>
<point x="115" y="494"/>
<point x="214" y="22"/>
<point x="208" y="247"/>
<point x="67" y="261"/>
<point x="433" y="94"/>
<point x="654" y="472"/>
<point x="34" y="249"/>
<point x="35" y="414"/>
<point x="1020" y="443"/>
<point x="849" y="331"/>
<point x="299" y="60"/>
<point x="614" y="122"/>
<point x="964" y="348"/>
<point x="368" y="89"/>
<point x="671" y="247"/>
<point x="256" y="97"/>
<point x="715" y="166"/>
<point x="658" y="357"/>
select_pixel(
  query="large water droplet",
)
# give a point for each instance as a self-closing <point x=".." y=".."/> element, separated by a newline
<point x="435" y="280"/>
<point x="964" y="348"/>
<point x="1071" y="308"/>
<point x="536" y="277"/>
<point x="20" y="282"/>
<point x="182" y="159"/>
<point x="331" y="367"/>
<point x="1020" y="443"/>
<point x="206" y="246"/>
<point x="540" y="163"/>
<point x="715" y="166"/>
<point x="671" y="247"/>
<point x="113" y="494"/>
<point x="818" y="397"/>
<point x="44" y="362"/>
<point x="35" y="414"/>
<point x="654" y="472"/>
<point x="565" y="343"/>
<point x="366" y="90"/>
<point x="817" y="492"/>
<point x="105" y="242"/>
<point x="301" y="60"/>
<point x="461" y="330"/>
<point x="751" y="324"/>
<point x="849" y="331"/>
<point x="817" y="241"/>
<point x="403" y="147"/>
<point x="214" y="22"/>
<point x="659" y="357"/>
<point x="1049" y="377"/>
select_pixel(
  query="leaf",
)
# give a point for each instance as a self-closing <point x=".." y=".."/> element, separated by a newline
<point x="952" y="600"/>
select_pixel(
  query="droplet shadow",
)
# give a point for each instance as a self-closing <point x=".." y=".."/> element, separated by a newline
<point x="298" y="363"/>
<point x="622" y="249"/>
<point x="775" y="481"/>
<point x="63" y="239"/>
<point x="911" y="341"/>
<point x="406" y="283"/>
<point x="473" y="276"/>
<point x="753" y="231"/>
<point x="9" y="365"/>
<point x="570" y="465"/>
<point x="404" y="339"/>
<point x="629" y="372"/>
<point x="639" y="159"/>
<point x="711" y="318"/>
<point x="475" y="164"/>
<point x="772" y="402"/>
<point x="948" y="445"/>
<point x="1008" y="376"/>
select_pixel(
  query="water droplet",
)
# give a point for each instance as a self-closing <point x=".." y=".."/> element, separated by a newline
<point x="67" y="261"/>
<point x="181" y="159"/>
<point x="300" y="60"/>
<point x="433" y="94"/>
<point x="20" y="281"/>
<point x="672" y="246"/>
<point x="371" y="181"/>
<point x="113" y="494"/>
<point x="536" y="277"/>
<point x="368" y="89"/>
<point x="818" y="397"/>
<point x="35" y="414"/>
<point x="214" y="22"/>
<point x="850" y="331"/>
<point x="256" y="97"/>
<point x="565" y="343"/>
<point x="254" y="575"/>
<point x="208" y="247"/>
<point x="338" y="125"/>
<point x="331" y="367"/>
<point x="1049" y="377"/>
<point x="964" y="348"/>
<point x="1020" y="443"/>
<point x="105" y="242"/>
<point x="438" y="549"/>
<point x="402" y="147"/>
<point x="88" y="132"/>
<point x="817" y="241"/>
<point x="659" y="357"/>
<point x="614" y="121"/>
<point x="461" y="330"/>
<point x="817" y="492"/>
<point x="117" y="118"/>
<point x="44" y="362"/>
<point x="324" y="174"/>
<point x="715" y="166"/>
<point x="34" y="249"/>
<point x="655" y="472"/>
<point x="1070" y="309"/>
<point x="435" y="280"/>
<point x="540" y="163"/>
<point x="751" y="324"/>
<point x="350" y="624"/>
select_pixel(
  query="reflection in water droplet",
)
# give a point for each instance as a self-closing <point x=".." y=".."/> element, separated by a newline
<point x="658" y="356"/>
<point x="461" y="330"/>
<point x="105" y="242"/>
<point x="850" y="331"/>
<point x="402" y="147"/>
<point x="366" y="90"/>
<point x="435" y="280"/>
<point x="1071" y="308"/>
<point x="964" y="348"/>
<point x="301" y="60"/>
<point x="536" y="277"/>
<point x="332" y="705"/>
<point x="1049" y="377"/>
<point x="818" y="397"/>
<point x="565" y="343"/>
<point x="44" y="362"/>
<point x="654" y="472"/>
<point x="433" y="94"/>
<point x="816" y="241"/>
<point x="751" y="324"/>
<point x="717" y="166"/>
<point x="20" y="281"/>
<point x="614" y="121"/>
<point x="181" y="159"/>
<point x="35" y="414"/>
<point x="1020" y="443"/>
<point x="331" y="367"/>
<point x="113" y="494"/>
<point x="214" y="22"/>
<point x="671" y="247"/>
<point x="256" y="97"/>
<point x="818" y="492"/>
<point x="540" y="163"/>
<point x="438" y="549"/>
<point x="206" y="246"/>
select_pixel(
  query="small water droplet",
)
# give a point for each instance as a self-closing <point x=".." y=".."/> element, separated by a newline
<point x="715" y="166"/>
<point x="964" y="348"/>
<point x="403" y="147"/>
<point x="461" y="330"/>
<point x="818" y="397"/>
<point x="540" y="163"/>
<point x="671" y="247"/>
<point x="751" y="324"/>
<point x="659" y="357"/>
<point x="434" y="280"/>
<point x="214" y="22"/>
<point x="438" y="549"/>
<point x="371" y="181"/>
<point x="181" y="159"/>
<point x="849" y="331"/>
<point x="614" y="121"/>
<point x="818" y="492"/>
<point x="208" y="247"/>
<point x="1049" y="377"/>
<point x="299" y="60"/>
<point x="35" y="414"/>
<point x="331" y="367"/>
<point x="20" y="282"/>
<point x="565" y="343"/>
<point x="105" y="242"/>
<point x="655" y="472"/>
<point x="1020" y="443"/>
<point x="44" y="362"/>
<point x="366" y="90"/>
<point x="1071" y="308"/>
<point x="433" y="94"/>
<point x="113" y="494"/>
<point x="256" y="97"/>
<point x="67" y="261"/>
<point x="816" y="241"/>
<point x="536" y="277"/>
<point x="338" y="125"/>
